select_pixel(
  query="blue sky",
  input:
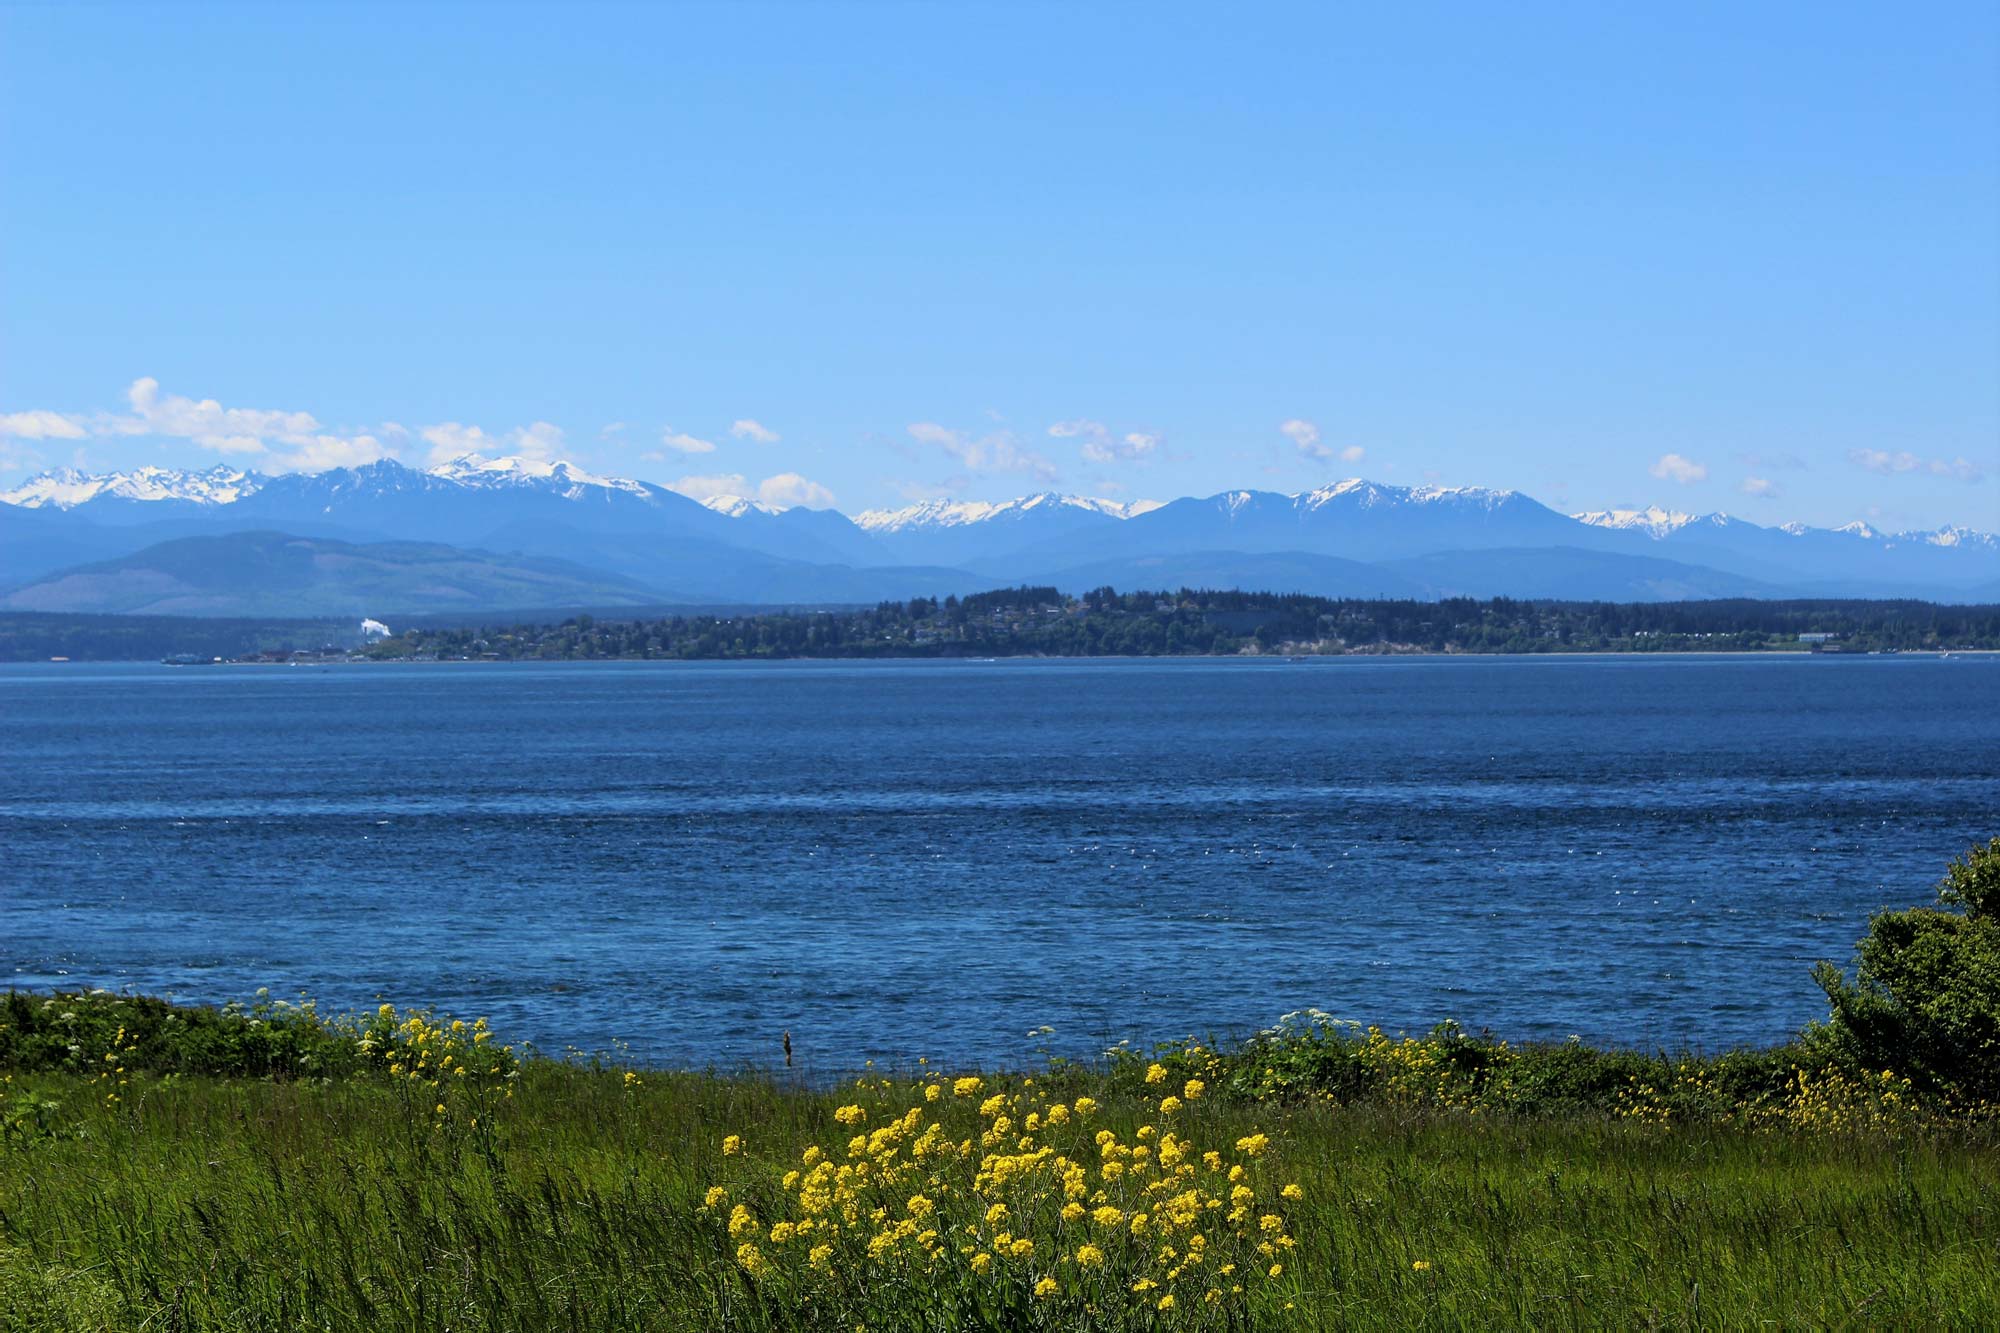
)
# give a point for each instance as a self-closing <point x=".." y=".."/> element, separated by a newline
<point x="1730" y="257"/>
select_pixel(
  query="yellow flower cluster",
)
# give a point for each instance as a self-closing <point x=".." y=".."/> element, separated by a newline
<point x="456" y="1062"/>
<point x="1819" y="1102"/>
<point x="1021" y="1193"/>
<point x="111" y="1073"/>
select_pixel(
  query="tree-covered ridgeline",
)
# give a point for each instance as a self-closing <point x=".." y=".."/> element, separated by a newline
<point x="37" y="636"/>
<point x="1026" y="622"/>
<point x="1042" y="622"/>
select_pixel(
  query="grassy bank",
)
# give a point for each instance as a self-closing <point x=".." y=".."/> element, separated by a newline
<point x="268" y="1169"/>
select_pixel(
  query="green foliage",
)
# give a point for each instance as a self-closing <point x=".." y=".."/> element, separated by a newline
<point x="204" y="1204"/>
<point x="1311" y="1057"/>
<point x="1041" y="621"/>
<point x="1925" y="998"/>
<point x="77" y="1030"/>
<point x="36" y="636"/>
<point x="1972" y="881"/>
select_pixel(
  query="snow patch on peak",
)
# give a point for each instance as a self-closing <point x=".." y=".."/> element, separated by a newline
<point x="558" y="474"/>
<point x="931" y="515"/>
<point x="1654" y="521"/>
<point x="1374" y="494"/>
<point x="1370" y="493"/>
<point x="926" y="515"/>
<point x="65" y="488"/>
<point x="1953" y="535"/>
<point x="736" y="506"/>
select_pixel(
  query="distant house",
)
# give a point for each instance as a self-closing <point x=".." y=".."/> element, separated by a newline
<point x="1819" y="638"/>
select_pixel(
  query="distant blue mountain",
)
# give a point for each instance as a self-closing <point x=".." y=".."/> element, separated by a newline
<point x="1354" y="538"/>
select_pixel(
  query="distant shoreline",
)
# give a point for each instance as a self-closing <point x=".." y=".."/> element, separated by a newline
<point x="1276" y="659"/>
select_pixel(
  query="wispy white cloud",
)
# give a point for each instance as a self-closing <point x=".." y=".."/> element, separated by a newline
<point x="1304" y="436"/>
<point x="1676" y="468"/>
<point x="282" y="441"/>
<point x="707" y="488"/>
<point x="277" y="440"/>
<point x="331" y="451"/>
<point x="206" y="422"/>
<point x="16" y="458"/>
<point x="1101" y="445"/>
<point x="681" y="442"/>
<point x="611" y="430"/>
<point x="37" y="424"/>
<point x="786" y="490"/>
<point x="792" y="490"/>
<point x="538" y="440"/>
<point x="1888" y="464"/>
<point x="1763" y="488"/>
<point x="997" y="451"/>
<point x="748" y="428"/>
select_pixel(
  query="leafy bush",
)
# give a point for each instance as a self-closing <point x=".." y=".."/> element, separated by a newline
<point x="98" y="1031"/>
<point x="1925" y="998"/>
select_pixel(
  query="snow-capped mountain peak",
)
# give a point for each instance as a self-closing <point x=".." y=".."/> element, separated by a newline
<point x="475" y="470"/>
<point x="1956" y="536"/>
<point x="1654" y="521"/>
<point x="736" y="506"/>
<point x="932" y="515"/>
<point x="1376" y="495"/>
<point x="65" y="488"/>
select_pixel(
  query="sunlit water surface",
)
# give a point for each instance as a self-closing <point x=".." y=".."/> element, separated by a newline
<point x="893" y="860"/>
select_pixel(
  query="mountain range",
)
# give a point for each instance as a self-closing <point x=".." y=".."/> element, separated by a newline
<point x="477" y="534"/>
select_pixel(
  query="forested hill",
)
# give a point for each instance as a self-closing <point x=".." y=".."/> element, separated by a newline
<point x="1042" y="622"/>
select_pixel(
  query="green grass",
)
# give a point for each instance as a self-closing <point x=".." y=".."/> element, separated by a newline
<point x="253" y="1205"/>
<point x="345" y="1201"/>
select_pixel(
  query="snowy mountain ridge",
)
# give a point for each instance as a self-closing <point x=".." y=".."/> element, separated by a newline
<point x="65" y="489"/>
<point x="935" y="514"/>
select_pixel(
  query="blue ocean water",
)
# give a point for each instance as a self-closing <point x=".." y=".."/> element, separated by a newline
<point x="901" y="859"/>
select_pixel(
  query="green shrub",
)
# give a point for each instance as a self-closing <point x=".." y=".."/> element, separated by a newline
<point x="1925" y="999"/>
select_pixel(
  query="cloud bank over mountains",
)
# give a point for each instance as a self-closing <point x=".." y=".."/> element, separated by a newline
<point x="748" y="458"/>
<point x="71" y="540"/>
